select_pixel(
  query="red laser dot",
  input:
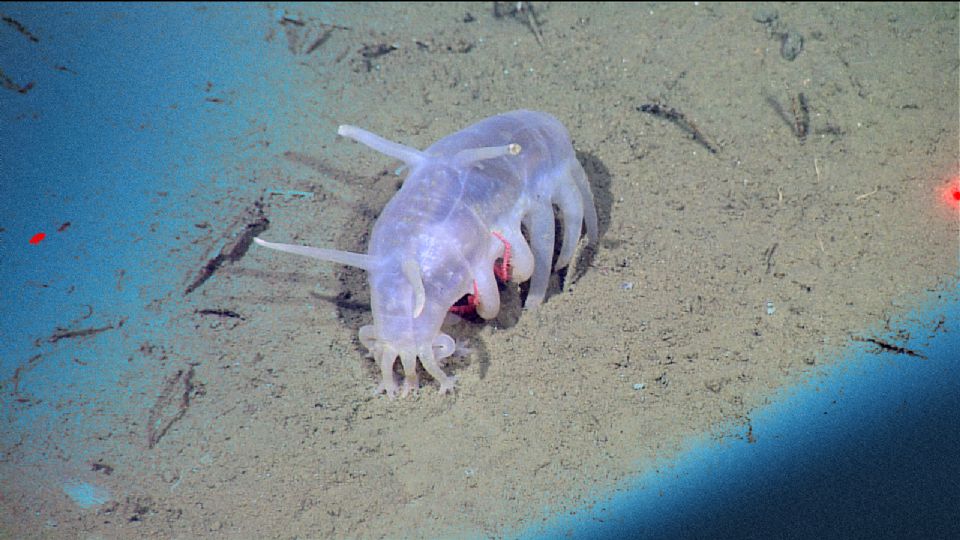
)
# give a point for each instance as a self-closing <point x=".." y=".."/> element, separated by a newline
<point x="35" y="239"/>
<point x="950" y="193"/>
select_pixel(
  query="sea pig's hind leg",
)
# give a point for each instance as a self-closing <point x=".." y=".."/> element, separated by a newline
<point x="430" y="364"/>
<point x="388" y="384"/>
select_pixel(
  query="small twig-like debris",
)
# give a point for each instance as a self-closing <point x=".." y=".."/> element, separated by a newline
<point x="221" y="313"/>
<point x="285" y="20"/>
<point x="319" y="41"/>
<point x="63" y="333"/>
<point x="170" y="406"/>
<point x="306" y="35"/>
<point x="678" y="118"/>
<point x="374" y="51"/>
<point x="290" y="193"/>
<point x="890" y="347"/>
<point x="96" y="466"/>
<point x="21" y="370"/>
<point x="8" y="83"/>
<point x="68" y="334"/>
<point x="801" y="116"/>
<point x="369" y="52"/>
<point x="514" y="10"/>
<point x="798" y="119"/>
<point x="532" y="23"/>
<point x="254" y="223"/>
<point x="19" y="27"/>
<point x="768" y="254"/>
<point x="863" y="196"/>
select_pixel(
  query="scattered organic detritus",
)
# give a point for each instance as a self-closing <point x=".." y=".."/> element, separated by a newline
<point x="678" y="118"/>
<point x="523" y="12"/>
<point x="171" y="404"/>
<point x="791" y="41"/>
<point x="768" y="256"/>
<point x="97" y="466"/>
<point x="884" y="346"/>
<point x="306" y="34"/>
<point x="8" y="83"/>
<point x="290" y="193"/>
<point x="63" y="333"/>
<point x="19" y="27"/>
<point x="253" y="222"/>
<point x="801" y="116"/>
<point x="369" y="52"/>
<point x="221" y="313"/>
<point x="798" y="119"/>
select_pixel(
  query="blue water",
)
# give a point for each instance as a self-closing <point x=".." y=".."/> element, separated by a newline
<point x="864" y="449"/>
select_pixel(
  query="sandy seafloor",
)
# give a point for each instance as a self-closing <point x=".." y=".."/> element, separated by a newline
<point x="660" y="333"/>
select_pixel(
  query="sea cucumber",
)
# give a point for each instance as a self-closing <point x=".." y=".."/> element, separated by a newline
<point x="459" y="210"/>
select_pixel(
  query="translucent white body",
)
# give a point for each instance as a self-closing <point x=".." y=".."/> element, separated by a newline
<point x="435" y="240"/>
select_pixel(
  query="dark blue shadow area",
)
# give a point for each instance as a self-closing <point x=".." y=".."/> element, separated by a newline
<point x="866" y="449"/>
<point x="131" y="135"/>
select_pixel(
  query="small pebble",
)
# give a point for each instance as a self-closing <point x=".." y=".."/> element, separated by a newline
<point x="765" y="16"/>
<point x="791" y="46"/>
<point x="639" y="386"/>
<point x="626" y="285"/>
<point x="770" y="308"/>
